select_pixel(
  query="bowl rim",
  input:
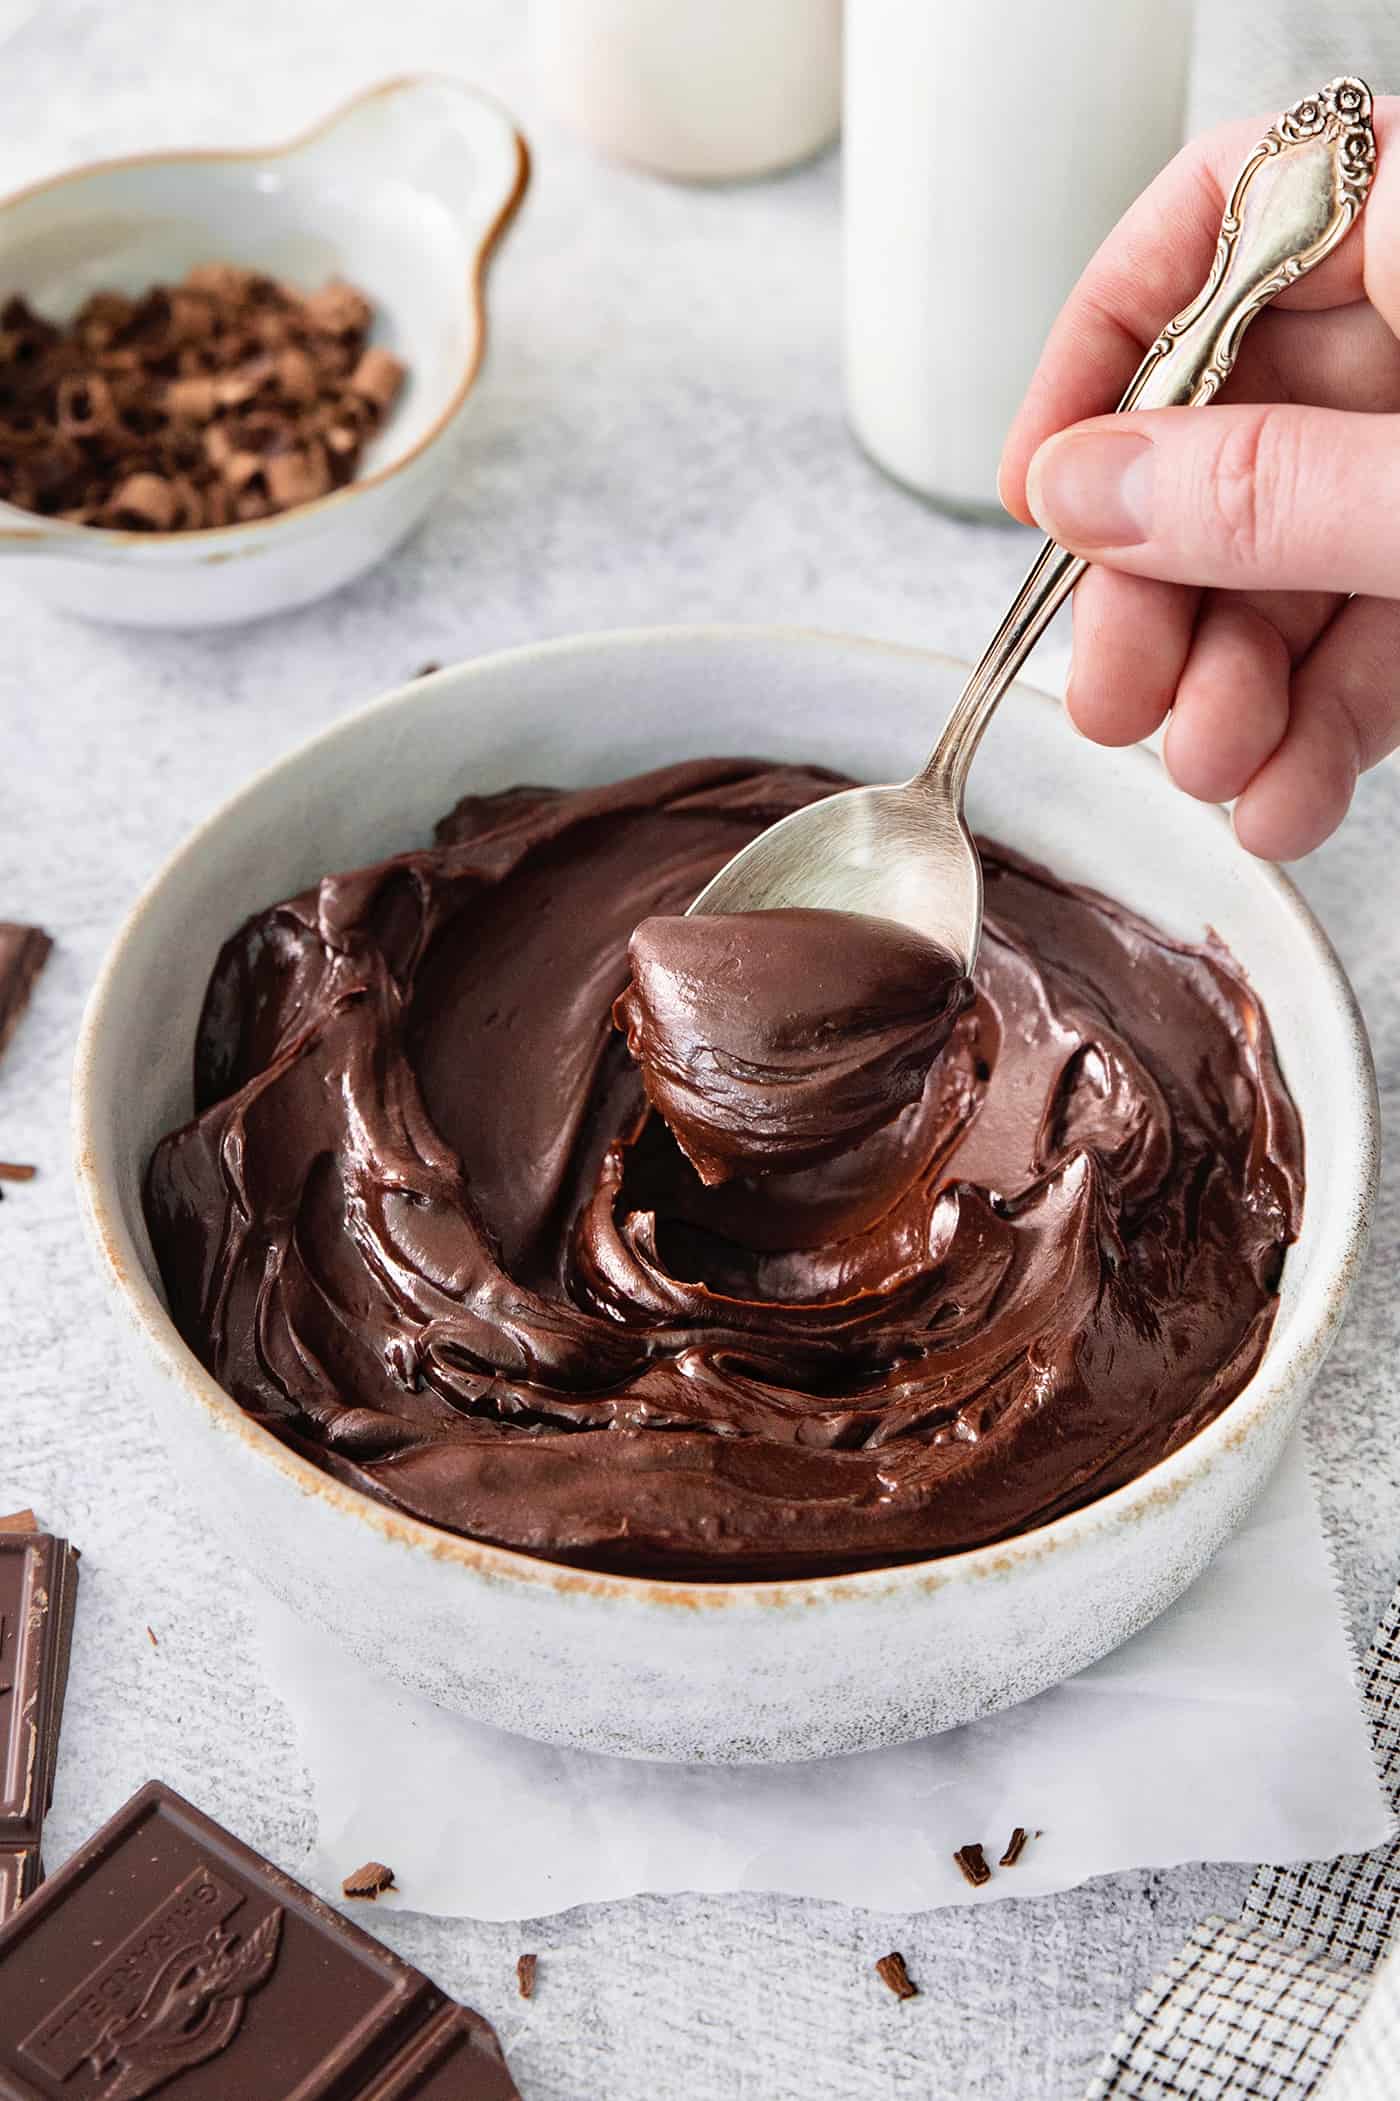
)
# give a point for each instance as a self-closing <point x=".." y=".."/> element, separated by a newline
<point x="59" y="534"/>
<point x="1292" y="1354"/>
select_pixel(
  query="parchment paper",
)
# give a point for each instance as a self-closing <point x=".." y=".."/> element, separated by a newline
<point x="1228" y="1730"/>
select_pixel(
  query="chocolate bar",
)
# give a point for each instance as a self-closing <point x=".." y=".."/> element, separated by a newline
<point x="168" y="1955"/>
<point x="38" y="1583"/>
<point x="19" y="1874"/>
<point x="23" y="953"/>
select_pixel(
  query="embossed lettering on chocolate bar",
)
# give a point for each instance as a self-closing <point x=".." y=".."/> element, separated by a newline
<point x="170" y="1997"/>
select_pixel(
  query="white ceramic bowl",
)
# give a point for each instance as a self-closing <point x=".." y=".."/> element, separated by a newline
<point x="404" y="192"/>
<point x="720" y="1671"/>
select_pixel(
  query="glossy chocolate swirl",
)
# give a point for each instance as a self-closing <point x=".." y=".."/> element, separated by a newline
<point x="425" y="1226"/>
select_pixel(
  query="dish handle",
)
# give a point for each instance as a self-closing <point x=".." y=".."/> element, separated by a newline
<point x="449" y="138"/>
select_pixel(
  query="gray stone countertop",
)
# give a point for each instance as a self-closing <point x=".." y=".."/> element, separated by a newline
<point x="658" y="437"/>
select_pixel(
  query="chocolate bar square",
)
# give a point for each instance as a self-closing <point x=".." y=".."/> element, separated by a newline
<point x="167" y="1955"/>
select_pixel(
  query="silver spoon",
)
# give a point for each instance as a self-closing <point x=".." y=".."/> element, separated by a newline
<point x="905" y="852"/>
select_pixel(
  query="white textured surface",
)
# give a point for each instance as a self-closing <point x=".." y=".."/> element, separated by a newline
<point x="659" y="437"/>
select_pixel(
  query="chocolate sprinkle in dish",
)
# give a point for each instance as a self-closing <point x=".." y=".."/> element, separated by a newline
<point x="24" y="950"/>
<point x="891" y="1971"/>
<point x="225" y="398"/>
<point x="369" y="1882"/>
<point x="16" y="1171"/>
<point x="1015" y="1847"/>
<point x="973" y="1865"/>
<point x="151" y="1637"/>
<point x="525" y="1968"/>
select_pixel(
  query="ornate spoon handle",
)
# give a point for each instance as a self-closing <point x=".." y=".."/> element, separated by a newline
<point x="1294" y="199"/>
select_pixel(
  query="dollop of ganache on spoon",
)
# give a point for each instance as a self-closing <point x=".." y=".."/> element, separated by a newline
<point x="774" y="1040"/>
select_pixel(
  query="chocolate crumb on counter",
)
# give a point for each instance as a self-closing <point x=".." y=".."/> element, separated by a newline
<point x="427" y="670"/>
<point x="525" y="1967"/>
<point x="1015" y="1847"/>
<point x="24" y="950"/>
<point x="972" y="1862"/>
<point x="891" y="1971"/>
<point x="368" y="1882"/>
<point x="226" y="398"/>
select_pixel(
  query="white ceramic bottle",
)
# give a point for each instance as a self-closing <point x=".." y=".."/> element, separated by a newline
<point x="700" y="90"/>
<point x="989" y="146"/>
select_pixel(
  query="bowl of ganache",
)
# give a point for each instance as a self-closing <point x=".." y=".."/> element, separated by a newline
<point x="471" y="1367"/>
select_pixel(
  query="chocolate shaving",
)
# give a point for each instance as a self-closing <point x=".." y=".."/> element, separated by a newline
<point x="339" y="309"/>
<point x="1015" y="1847"/>
<point x="369" y="1882"/>
<point x="229" y="397"/>
<point x="377" y="377"/>
<point x="19" y="1521"/>
<point x="23" y="952"/>
<point x="891" y="1971"/>
<point x="973" y="1865"/>
<point x="16" y="1171"/>
<point x="143" y="503"/>
<point x="525" y="1967"/>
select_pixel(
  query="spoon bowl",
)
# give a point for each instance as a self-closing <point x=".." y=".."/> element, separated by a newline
<point x="901" y="853"/>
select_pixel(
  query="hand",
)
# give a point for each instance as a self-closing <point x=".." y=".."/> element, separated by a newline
<point x="1247" y="559"/>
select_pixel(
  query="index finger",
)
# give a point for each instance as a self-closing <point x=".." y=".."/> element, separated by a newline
<point x="1156" y="260"/>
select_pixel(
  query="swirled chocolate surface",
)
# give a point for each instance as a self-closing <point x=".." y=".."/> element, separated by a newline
<point x="426" y="1227"/>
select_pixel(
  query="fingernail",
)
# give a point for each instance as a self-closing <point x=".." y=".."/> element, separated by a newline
<point x="1093" y="488"/>
<point x="1068" y="702"/>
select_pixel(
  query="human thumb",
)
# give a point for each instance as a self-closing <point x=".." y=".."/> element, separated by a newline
<point x="1272" y="498"/>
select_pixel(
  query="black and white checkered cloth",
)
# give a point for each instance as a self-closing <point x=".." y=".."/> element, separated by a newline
<point x="1259" y="2006"/>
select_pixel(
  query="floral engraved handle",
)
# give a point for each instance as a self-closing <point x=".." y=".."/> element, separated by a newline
<point x="1293" y="201"/>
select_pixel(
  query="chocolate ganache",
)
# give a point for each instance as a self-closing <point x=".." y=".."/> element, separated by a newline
<point x="426" y="1227"/>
